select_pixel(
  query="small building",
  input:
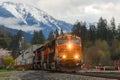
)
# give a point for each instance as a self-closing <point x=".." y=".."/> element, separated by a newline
<point x="26" y="57"/>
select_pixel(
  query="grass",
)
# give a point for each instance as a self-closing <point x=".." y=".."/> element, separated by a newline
<point x="6" y="70"/>
<point x="4" y="74"/>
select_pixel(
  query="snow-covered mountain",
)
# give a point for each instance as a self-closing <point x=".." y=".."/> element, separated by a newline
<point x="29" y="18"/>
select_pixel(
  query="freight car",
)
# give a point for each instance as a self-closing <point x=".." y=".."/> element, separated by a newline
<point x="63" y="53"/>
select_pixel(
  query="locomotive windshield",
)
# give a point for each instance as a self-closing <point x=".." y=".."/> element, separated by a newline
<point x="62" y="41"/>
<point x="76" y="41"/>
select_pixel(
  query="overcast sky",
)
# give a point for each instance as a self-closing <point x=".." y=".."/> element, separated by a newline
<point x="81" y="10"/>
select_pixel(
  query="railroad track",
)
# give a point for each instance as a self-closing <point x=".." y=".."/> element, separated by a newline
<point x="101" y="74"/>
<point x="108" y="75"/>
<point x="49" y="75"/>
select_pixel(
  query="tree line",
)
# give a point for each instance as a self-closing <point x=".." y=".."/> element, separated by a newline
<point x="5" y="38"/>
<point x="101" y="41"/>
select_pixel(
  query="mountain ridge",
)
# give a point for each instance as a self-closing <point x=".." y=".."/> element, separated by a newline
<point x="32" y="17"/>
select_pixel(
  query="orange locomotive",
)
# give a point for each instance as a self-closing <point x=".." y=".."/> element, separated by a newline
<point x="65" y="52"/>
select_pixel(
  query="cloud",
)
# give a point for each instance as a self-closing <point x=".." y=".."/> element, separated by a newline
<point x="8" y="21"/>
<point x="106" y="10"/>
<point x="26" y="28"/>
<point x="14" y="24"/>
<point x="73" y="10"/>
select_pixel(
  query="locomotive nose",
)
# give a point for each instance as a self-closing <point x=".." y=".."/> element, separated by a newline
<point x="69" y="45"/>
<point x="64" y="56"/>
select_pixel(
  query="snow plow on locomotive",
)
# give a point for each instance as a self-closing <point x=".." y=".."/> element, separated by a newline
<point x="65" y="52"/>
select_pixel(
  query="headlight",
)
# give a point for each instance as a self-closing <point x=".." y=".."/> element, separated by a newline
<point x="76" y="57"/>
<point x="64" y="56"/>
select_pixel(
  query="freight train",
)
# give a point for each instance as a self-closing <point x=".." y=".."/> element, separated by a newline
<point x="63" y="53"/>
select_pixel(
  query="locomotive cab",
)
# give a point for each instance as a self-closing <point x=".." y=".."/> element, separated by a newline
<point x="69" y="51"/>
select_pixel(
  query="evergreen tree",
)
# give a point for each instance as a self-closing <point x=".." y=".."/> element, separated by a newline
<point x="118" y="32"/>
<point x="35" y="38"/>
<point x="38" y="37"/>
<point x="17" y="44"/>
<point x="102" y="29"/>
<point x="41" y="38"/>
<point x="5" y="38"/>
<point x="3" y="43"/>
<point x="56" y="33"/>
<point x="80" y="30"/>
<point x="113" y="28"/>
<point x="51" y="36"/>
<point x="62" y="33"/>
<point x="76" y="29"/>
<point x="92" y="33"/>
<point x="20" y="40"/>
<point x="111" y="32"/>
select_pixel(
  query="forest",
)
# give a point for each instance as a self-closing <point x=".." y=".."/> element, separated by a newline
<point x="100" y="41"/>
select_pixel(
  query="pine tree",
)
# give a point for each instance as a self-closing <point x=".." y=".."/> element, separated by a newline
<point x="3" y="42"/>
<point x="17" y="44"/>
<point x="62" y="33"/>
<point x="111" y="32"/>
<point x="51" y="36"/>
<point x="76" y="29"/>
<point x="113" y="28"/>
<point x="92" y="33"/>
<point x="41" y="38"/>
<point x="80" y="30"/>
<point x="102" y="29"/>
<point x="5" y="38"/>
<point x="38" y="37"/>
<point x="118" y="32"/>
<point x="56" y="33"/>
<point x="35" y="38"/>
